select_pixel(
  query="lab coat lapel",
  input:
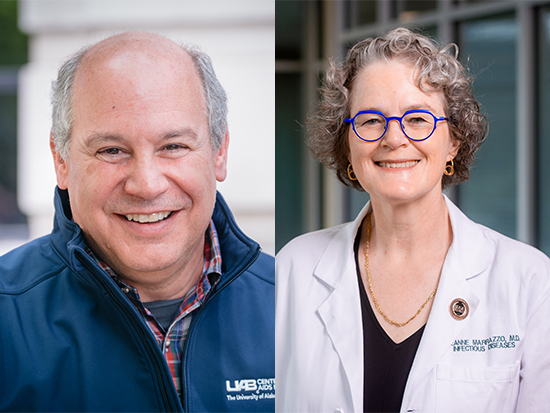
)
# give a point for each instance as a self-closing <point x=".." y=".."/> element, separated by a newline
<point x="466" y="258"/>
<point x="341" y="311"/>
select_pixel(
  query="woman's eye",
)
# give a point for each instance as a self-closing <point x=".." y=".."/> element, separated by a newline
<point x="417" y="120"/>
<point x="369" y="122"/>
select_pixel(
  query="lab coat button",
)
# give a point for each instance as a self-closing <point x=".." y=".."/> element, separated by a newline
<point x="338" y="410"/>
<point x="459" y="309"/>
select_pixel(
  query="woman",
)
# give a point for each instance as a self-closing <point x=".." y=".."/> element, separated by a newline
<point x="411" y="307"/>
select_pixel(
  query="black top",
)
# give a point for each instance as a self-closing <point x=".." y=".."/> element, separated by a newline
<point x="164" y="311"/>
<point x="386" y="364"/>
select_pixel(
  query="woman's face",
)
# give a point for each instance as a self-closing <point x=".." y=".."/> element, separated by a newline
<point x="394" y="168"/>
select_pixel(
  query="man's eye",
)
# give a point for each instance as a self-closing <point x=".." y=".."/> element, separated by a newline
<point x="175" y="149"/>
<point x="111" y="155"/>
<point x="111" y="151"/>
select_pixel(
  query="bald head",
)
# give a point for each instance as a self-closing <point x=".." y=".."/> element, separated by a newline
<point x="148" y="48"/>
<point x="153" y="60"/>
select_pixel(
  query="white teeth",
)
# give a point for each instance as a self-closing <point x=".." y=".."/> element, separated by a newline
<point x="398" y="165"/>
<point x="154" y="217"/>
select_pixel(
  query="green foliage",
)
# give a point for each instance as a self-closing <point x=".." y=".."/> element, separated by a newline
<point x="13" y="43"/>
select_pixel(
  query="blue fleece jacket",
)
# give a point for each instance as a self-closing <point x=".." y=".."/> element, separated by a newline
<point x="70" y="340"/>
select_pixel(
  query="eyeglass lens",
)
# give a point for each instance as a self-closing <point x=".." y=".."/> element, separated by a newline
<point x="416" y="125"/>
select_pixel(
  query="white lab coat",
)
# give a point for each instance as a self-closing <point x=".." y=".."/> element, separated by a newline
<point x="497" y="359"/>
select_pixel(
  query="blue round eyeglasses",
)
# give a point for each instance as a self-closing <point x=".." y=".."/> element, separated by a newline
<point x="417" y="124"/>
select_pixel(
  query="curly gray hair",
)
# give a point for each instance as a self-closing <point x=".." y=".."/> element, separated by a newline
<point x="436" y="70"/>
<point x="62" y="98"/>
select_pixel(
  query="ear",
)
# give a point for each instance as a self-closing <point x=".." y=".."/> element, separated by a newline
<point x="220" y="159"/>
<point x="453" y="148"/>
<point x="60" y="165"/>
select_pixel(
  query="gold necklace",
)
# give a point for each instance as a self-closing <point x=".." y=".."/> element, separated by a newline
<point x="372" y="291"/>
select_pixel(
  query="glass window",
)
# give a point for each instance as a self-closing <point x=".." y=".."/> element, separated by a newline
<point x="544" y="131"/>
<point x="360" y="12"/>
<point x="480" y="1"/>
<point x="356" y="202"/>
<point x="411" y="9"/>
<point x="288" y="159"/>
<point x="419" y="5"/>
<point x="289" y="19"/>
<point x="489" y="197"/>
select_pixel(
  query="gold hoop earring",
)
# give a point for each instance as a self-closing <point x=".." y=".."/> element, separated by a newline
<point x="351" y="174"/>
<point x="450" y="169"/>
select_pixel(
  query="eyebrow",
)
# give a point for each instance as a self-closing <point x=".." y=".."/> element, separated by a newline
<point x="421" y="106"/>
<point x="98" y="138"/>
<point x="189" y="132"/>
<point x="407" y="108"/>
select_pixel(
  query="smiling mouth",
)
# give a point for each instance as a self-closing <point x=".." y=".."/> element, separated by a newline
<point x="397" y="165"/>
<point x="148" y="219"/>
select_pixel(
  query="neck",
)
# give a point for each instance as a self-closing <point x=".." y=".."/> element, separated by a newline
<point x="411" y="227"/>
<point x="169" y="287"/>
<point x="166" y="283"/>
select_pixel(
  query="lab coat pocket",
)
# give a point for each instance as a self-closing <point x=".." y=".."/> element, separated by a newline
<point x="476" y="388"/>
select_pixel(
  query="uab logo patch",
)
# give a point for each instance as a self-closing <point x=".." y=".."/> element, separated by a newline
<point x="250" y="389"/>
<point x="241" y="385"/>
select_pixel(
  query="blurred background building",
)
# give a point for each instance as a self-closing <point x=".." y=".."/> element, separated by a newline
<point x="36" y="35"/>
<point x="505" y="43"/>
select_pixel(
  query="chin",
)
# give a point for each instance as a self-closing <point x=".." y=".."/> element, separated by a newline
<point x="397" y="196"/>
<point x="143" y="258"/>
<point x="153" y="260"/>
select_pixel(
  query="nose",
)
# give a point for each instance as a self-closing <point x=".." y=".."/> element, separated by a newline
<point x="394" y="136"/>
<point x="146" y="178"/>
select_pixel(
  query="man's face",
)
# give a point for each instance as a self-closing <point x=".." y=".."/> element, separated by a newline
<point x="141" y="171"/>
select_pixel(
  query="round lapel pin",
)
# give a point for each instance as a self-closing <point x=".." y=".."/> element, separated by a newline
<point x="459" y="309"/>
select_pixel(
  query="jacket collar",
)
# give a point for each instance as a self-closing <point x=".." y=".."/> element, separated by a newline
<point x="238" y="251"/>
<point x="66" y="234"/>
<point x="339" y="252"/>
<point x="470" y="245"/>
<point x="341" y="311"/>
<point x="470" y="253"/>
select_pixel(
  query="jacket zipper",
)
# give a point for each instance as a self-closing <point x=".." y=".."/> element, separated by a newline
<point x="146" y="337"/>
<point x="185" y="402"/>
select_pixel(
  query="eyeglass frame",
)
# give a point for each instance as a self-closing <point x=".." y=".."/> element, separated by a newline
<point x="397" y="118"/>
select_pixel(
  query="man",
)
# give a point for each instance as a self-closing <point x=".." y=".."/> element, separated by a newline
<point x="146" y="296"/>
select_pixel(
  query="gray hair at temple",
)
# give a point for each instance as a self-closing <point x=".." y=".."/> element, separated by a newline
<point x="62" y="99"/>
